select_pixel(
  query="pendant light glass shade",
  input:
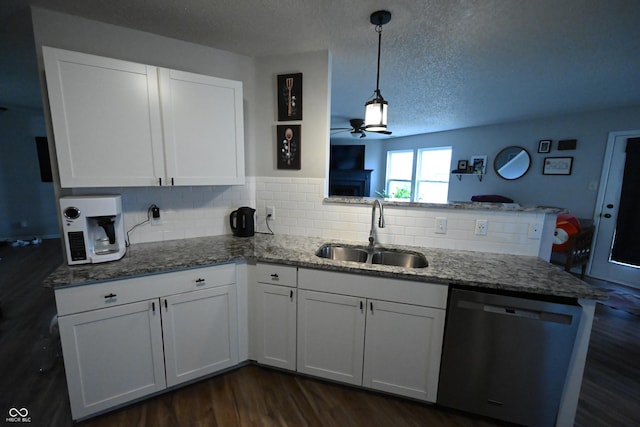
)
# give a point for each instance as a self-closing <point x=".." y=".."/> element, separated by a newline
<point x="375" y="115"/>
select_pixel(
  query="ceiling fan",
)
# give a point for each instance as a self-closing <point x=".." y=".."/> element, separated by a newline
<point x="357" y="129"/>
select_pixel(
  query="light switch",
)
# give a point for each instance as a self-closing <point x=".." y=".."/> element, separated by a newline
<point x="441" y="225"/>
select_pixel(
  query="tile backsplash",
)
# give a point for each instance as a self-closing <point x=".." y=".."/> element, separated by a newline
<point x="187" y="212"/>
<point x="300" y="210"/>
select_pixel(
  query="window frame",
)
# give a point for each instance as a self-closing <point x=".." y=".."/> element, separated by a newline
<point x="416" y="163"/>
<point x="387" y="180"/>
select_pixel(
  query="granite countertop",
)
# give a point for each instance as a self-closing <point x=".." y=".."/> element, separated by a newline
<point x="486" y="270"/>
<point x="512" y="207"/>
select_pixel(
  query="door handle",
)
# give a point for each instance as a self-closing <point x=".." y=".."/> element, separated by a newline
<point x="291" y="294"/>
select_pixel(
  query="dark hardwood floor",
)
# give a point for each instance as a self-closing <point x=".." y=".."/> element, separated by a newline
<point x="256" y="396"/>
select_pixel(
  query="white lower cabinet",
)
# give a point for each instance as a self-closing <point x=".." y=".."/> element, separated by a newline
<point x="402" y="349"/>
<point x="331" y="336"/>
<point x="200" y="333"/>
<point x="153" y="332"/>
<point x="112" y="356"/>
<point x="385" y="344"/>
<point x="275" y="296"/>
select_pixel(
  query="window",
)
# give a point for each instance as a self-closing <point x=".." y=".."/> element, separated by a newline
<point x="432" y="177"/>
<point x="399" y="174"/>
<point x="420" y="175"/>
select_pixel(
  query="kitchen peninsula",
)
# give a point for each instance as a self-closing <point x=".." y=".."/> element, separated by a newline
<point x="233" y="270"/>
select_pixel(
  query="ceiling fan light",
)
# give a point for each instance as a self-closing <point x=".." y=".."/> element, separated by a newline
<point x="375" y="115"/>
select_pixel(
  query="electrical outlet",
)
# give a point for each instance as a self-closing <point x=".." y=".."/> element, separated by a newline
<point x="535" y="231"/>
<point x="271" y="212"/>
<point x="441" y="225"/>
<point x="155" y="215"/>
<point x="481" y="227"/>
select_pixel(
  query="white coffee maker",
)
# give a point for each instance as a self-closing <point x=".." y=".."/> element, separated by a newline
<point x="93" y="228"/>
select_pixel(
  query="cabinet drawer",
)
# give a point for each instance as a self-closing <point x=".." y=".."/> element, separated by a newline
<point x="277" y="274"/>
<point x="403" y="291"/>
<point x="77" y="299"/>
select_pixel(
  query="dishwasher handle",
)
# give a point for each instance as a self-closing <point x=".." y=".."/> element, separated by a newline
<point x="506" y="310"/>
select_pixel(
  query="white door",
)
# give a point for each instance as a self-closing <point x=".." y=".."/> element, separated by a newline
<point x="602" y="264"/>
<point x="276" y="325"/>
<point x="331" y="336"/>
<point x="112" y="356"/>
<point x="403" y="345"/>
<point x="203" y="124"/>
<point x="200" y="333"/>
<point x="106" y="120"/>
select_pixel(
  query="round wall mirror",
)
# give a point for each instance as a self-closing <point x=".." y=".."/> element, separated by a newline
<point x="512" y="162"/>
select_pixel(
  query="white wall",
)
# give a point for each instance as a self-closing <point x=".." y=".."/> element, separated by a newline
<point x="316" y="86"/>
<point x="576" y="192"/>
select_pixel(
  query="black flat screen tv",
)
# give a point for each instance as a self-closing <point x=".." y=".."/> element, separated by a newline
<point x="347" y="157"/>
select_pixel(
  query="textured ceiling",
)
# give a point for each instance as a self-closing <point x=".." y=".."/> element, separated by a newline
<point x="446" y="64"/>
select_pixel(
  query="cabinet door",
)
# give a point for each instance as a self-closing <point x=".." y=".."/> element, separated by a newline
<point x="402" y="350"/>
<point x="331" y="336"/>
<point x="203" y="125"/>
<point x="200" y="333"/>
<point x="112" y="355"/>
<point x="276" y="329"/>
<point x="106" y="120"/>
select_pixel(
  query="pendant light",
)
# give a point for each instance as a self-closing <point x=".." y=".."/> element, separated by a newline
<point x="375" y="110"/>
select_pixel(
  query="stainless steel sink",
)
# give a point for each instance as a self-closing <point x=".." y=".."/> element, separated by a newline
<point x="367" y="255"/>
<point x="342" y="253"/>
<point x="400" y="259"/>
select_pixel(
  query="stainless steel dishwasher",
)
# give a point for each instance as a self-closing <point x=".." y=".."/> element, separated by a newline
<point x="506" y="357"/>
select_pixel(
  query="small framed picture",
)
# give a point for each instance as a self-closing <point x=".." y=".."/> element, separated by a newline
<point x="478" y="164"/>
<point x="462" y="165"/>
<point x="288" y="144"/>
<point x="557" y="166"/>
<point x="289" y="97"/>
<point x="544" y="146"/>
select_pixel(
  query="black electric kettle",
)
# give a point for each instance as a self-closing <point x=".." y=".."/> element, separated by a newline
<point x="242" y="222"/>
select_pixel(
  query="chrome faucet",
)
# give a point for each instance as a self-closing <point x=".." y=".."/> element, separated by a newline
<point x="376" y="202"/>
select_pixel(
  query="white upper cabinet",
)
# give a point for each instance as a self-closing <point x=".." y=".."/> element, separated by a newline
<point x="203" y="128"/>
<point x="106" y="120"/>
<point x="123" y="124"/>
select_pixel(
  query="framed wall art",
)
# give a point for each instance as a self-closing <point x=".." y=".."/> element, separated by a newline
<point x="544" y="146"/>
<point x="288" y="142"/>
<point x="289" y="97"/>
<point x="478" y="164"/>
<point x="557" y="166"/>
